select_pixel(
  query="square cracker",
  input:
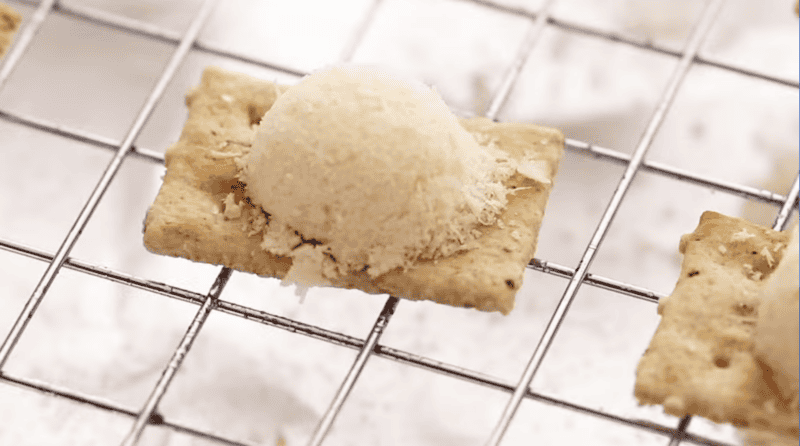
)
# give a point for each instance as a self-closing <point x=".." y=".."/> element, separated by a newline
<point x="700" y="360"/>
<point x="9" y="24"/>
<point x="189" y="217"/>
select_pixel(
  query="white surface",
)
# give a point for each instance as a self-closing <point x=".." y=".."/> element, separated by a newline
<point x="252" y="383"/>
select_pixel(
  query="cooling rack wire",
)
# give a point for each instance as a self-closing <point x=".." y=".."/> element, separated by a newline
<point x="149" y="415"/>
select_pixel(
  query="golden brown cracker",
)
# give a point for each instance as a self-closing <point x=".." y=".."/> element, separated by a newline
<point x="700" y="360"/>
<point x="188" y="217"/>
<point x="9" y="24"/>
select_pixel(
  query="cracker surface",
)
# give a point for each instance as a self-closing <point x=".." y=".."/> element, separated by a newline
<point x="701" y="359"/>
<point x="9" y="24"/>
<point x="202" y="211"/>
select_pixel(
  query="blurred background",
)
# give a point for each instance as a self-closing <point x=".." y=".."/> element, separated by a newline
<point x="257" y="384"/>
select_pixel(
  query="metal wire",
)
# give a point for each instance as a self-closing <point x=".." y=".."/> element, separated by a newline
<point x="582" y="148"/>
<point x="536" y="27"/>
<point x="25" y="38"/>
<point x="79" y="135"/>
<point x="677" y="173"/>
<point x="789" y="205"/>
<point x="146" y="30"/>
<point x="324" y="335"/>
<point x="116" y="162"/>
<point x="350" y="49"/>
<point x="355" y="371"/>
<point x="99" y="403"/>
<point x="497" y="102"/>
<point x="175" y="362"/>
<point x="692" y="47"/>
<point x="646" y="44"/>
<point x="680" y="433"/>
<point x="210" y="302"/>
<point x="168" y="36"/>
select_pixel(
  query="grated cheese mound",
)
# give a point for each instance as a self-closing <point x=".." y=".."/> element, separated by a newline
<point x="376" y="168"/>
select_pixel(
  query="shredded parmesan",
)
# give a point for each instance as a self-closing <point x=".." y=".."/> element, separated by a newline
<point x="742" y="236"/>
<point x="257" y="222"/>
<point x="768" y="256"/>
<point x="222" y="155"/>
<point x="752" y="273"/>
<point x="232" y="209"/>
<point x="535" y="170"/>
<point x="279" y="238"/>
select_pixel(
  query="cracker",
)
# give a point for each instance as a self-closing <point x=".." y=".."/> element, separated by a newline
<point x="189" y="217"/>
<point x="700" y="360"/>
<point x="9" y="24"/>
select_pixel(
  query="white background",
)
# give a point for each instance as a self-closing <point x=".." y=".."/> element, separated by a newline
<point x="253" y="383"/>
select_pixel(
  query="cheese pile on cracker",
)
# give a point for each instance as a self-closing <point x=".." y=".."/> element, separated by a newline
<point x="376" y="168"/>
<point x="213" y="206"/>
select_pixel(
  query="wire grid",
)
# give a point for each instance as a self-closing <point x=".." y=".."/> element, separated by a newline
<point x="149" y="415"/>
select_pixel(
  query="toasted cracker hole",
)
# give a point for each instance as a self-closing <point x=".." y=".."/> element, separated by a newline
<point x="722" y="361"/>
<point x="510" y="283"/>
<point x="693" y="273"/>
<point x="744" y="309"/>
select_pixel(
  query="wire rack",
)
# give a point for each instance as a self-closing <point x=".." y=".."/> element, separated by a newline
<point x="370" y="346"/>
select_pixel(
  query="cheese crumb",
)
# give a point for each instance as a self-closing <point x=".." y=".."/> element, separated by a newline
<point x="222" y="155"/>
<point x="722" y="249"/>
<point x="232" y="209"/>
<point x="742" y="236"/>
<point x="537" y="170"/>
<point x="256" y="222"/>
<point x="751" y="273"/>
<point x="768" y="256"/>
<point x="279" y="238"/>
